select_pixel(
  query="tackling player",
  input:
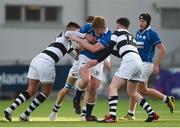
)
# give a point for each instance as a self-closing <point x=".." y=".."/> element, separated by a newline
<point x="123" y="45"/>
<point x="42" y="72"/>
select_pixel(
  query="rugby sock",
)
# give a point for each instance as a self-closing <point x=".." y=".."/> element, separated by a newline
<point x="19" y="100"/>
<point x="144" y="104"/>
<point x="131" y="113"/>
<point x="79" y="93"/>
<point x="113" y="100"/>
<point x="165" y="99"/>
<point x="56" y="108"/>
<point x="35" y="103"/>
<point x="83" y="111"/>
<point x="89" y="108"/>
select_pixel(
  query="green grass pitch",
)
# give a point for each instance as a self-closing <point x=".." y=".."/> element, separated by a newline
<point x="67" y="117"/>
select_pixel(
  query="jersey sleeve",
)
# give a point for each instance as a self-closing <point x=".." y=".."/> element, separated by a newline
<point x="68" y="33"/>
<point x="154" y="37"/>
<point x="108" y="59"/>
<point x="85" y="28"/>
<point x="73" y="53"/>
<point x="105" y="39"/>
<point x="107" y="51"/>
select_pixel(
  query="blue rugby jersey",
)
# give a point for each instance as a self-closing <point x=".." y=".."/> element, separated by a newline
<point x="146" y="42"/>
<point x="104" y="39"/>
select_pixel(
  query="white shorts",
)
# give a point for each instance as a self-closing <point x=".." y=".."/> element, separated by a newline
<point x="108" y="59"/>
<point x="42" y="70"/>
<point x="74" y="71"/>
<point x="96" y="71"/>
<point x="130" y="68"/>
<point x="147" y="70"/>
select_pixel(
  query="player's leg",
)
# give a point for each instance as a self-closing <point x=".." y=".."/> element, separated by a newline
<point x="91" y="89"/>
<point x="91" y="92"/>
<point x="85" y="75"/>
<point x="146" y="72"/>
<point x="132" y="92"/>
<point x="46" y="74"/>
<point x="83" y="113"/>
<point x="39" y="99"/>
<point x="114" y="86"/>
<point x="62" y="93"/>
<point x="169" y="100"/>
<point x="85" y="78"/>
<point x="32" y="87"/>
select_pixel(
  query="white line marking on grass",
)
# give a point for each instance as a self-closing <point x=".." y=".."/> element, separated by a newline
<point x="159" y="111"/>
<point x="71" y="119"/>
<point x="92" y="127"/>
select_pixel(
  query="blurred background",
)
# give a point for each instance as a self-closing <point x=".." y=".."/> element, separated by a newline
<point x="28" y="26"/>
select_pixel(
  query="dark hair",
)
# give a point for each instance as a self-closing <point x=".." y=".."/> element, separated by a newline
<point x="146" y="17"/>
<point x="90" y="19"/>
<point x="72" y="24"/>
<point x="123" y="21"/>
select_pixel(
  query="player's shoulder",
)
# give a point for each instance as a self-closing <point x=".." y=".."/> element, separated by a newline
<point x="151" y="31"/>
<point x="109" y="32"/>
<point x="86" y="27"/>
<point x="120" y="32"/>
<point x="107" y="35"/>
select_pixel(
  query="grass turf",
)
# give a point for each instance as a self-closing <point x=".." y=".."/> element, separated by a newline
<point x="67" y="117"/>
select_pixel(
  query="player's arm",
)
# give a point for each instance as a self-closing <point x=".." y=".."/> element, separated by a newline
<point x="154" y="38"/>
<point x="161" y="53"/>
<point x="72" y="52"/>
<point x="86" y="45"/>
<point x="160" y="56"/>
<point x="76" y="33"/>
<point x="107" y="51"/>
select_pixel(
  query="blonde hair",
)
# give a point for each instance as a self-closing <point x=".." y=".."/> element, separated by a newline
<point x="99" y="22"/>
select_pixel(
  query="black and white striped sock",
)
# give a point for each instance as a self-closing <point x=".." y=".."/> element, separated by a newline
<point x="144" y="104"/>
<point x="56" y="108"/>
<point x="35" y="103"/>
<point x="19" y="100"/>
<point x="113" y="100"/>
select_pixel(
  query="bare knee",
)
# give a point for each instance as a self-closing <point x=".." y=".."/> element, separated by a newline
<point x="64" y="91"/>
<point x="112" y="89"/>
<point x="31" y="92"/>
<point x="143" y="90"/>
<point x="131" y="94"/>
<point x="92" y="91"/>
<point x="46" y="89"/>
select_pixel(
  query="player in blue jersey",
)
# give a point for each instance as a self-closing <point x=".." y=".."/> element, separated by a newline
<point x="147" y="41"/>
<point x="90" y="78"/>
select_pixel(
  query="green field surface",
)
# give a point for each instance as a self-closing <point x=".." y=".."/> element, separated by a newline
<point x="67" y="117"/>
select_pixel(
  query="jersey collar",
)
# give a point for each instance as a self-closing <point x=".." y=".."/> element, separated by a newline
<point x="149" y="27"/>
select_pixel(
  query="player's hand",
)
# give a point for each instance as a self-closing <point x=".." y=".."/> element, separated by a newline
<point x="73" y="37"/>
<point x="91" y="63"/>
<point x="78" y="50"/>
<point x="91" y="39"/>
<point x="155" y="69"/>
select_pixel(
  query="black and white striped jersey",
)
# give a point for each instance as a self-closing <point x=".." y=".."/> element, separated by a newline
<point x="122" y="42"/>
<point x="59" y="47"/>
